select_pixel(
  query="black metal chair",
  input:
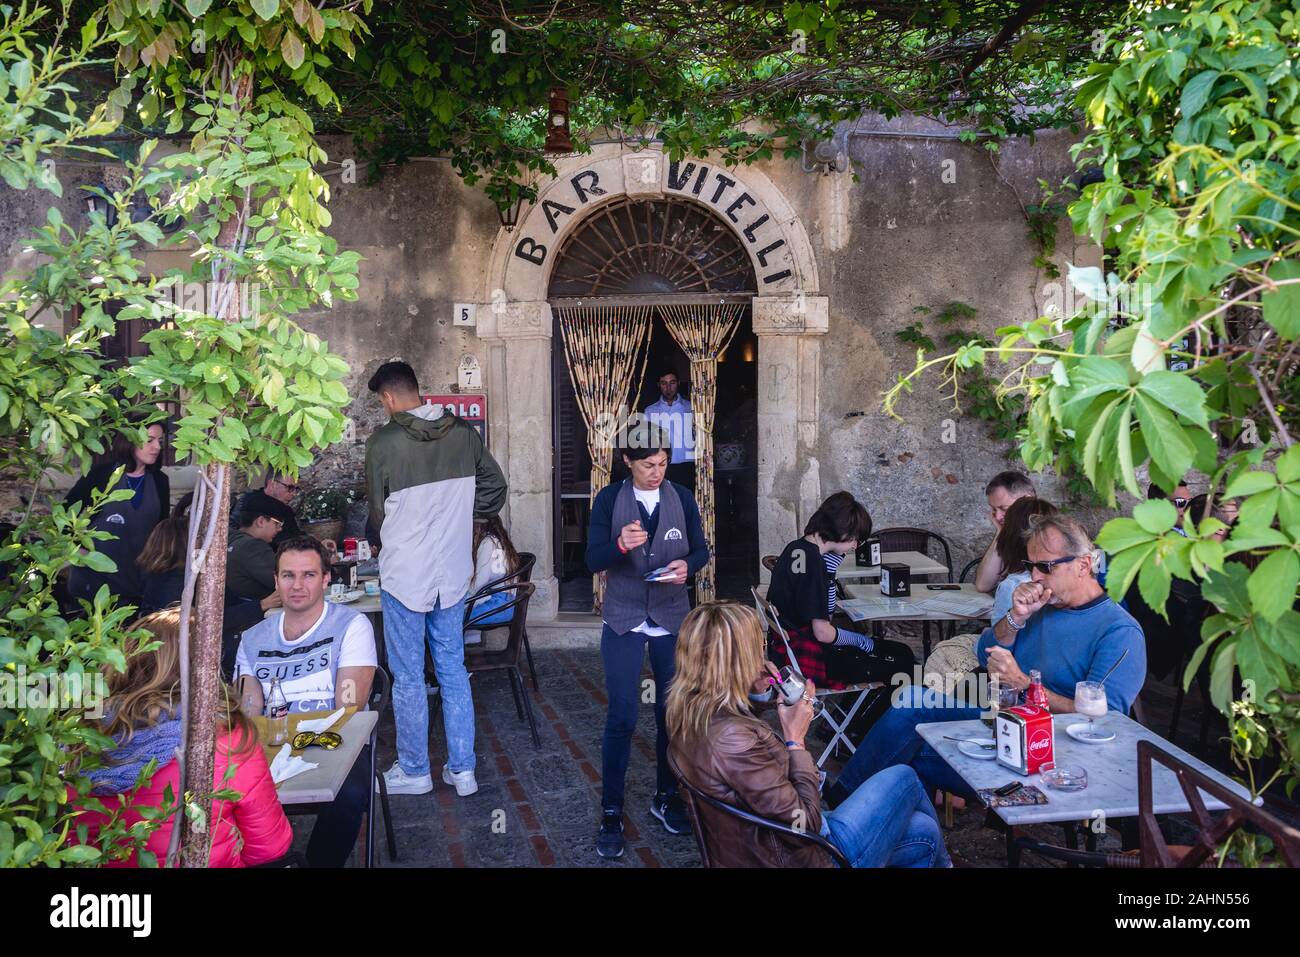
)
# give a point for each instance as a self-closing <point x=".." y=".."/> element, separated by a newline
<point x="380" y="691"/>
<point x="971" y="565"/>
<point x="916" y="540"/>
<point x="524" y="573"/>
<point x="693" y="798"/>
<point x="506" y="659"/>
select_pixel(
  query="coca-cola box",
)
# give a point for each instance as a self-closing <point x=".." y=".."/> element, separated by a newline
<point x="1026" y="738"/>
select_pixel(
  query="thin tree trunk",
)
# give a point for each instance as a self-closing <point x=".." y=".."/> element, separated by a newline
<point x="204" y="651"/>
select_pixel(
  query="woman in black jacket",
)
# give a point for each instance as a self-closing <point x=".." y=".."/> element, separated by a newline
<point x="130" y="521"/>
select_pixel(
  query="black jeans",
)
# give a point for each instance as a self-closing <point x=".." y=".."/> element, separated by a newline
<point x="622" y="655"/>
<point x="337" y="824"/>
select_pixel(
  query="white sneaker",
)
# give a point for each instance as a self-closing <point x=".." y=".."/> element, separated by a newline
<point x="399" y="782"/>
<point x="463" y="780"/>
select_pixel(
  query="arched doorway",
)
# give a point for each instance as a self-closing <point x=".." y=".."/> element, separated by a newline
<point x="657" y="254"/>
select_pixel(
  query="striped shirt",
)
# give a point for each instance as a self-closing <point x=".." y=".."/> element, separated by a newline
<point x="833" y="562"/>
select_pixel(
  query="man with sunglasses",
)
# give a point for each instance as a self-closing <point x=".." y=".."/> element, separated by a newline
<point x="1064" y="625"/>
<point x="250" y="557"/>
<point x="1061" y="624"/>
<point x="274" y="499"/>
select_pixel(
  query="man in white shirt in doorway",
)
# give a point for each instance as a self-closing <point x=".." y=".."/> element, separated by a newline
<point x="674" y="415"/>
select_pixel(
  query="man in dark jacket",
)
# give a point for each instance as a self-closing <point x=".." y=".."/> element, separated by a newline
<point x="427" y="479"/>
<point x="273" y="499"/>
<point x="639" y="526"/>
<point x="250" y="559"/>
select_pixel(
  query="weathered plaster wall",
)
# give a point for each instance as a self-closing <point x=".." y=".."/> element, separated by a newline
<point x="898" y="238"/>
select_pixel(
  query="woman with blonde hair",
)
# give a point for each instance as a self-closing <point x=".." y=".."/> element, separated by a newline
<point x="721" y="749"/>
<point x="142" y="715"/>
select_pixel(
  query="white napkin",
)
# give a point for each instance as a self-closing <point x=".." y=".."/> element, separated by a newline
<point x="286" y="766"/>
<point x="320" y="724"/>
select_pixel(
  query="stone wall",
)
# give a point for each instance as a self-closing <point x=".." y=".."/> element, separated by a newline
<point x="902" y="236"/>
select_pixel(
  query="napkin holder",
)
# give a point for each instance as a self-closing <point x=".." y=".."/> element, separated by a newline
<point x="895" y="580"/>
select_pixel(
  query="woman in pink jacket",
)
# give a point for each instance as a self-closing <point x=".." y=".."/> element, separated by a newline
<point x="142" y="716"/>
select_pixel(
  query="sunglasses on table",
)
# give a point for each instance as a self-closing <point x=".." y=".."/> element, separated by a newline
<point x="329" y="740"/>
<point x="1047" y="566"/>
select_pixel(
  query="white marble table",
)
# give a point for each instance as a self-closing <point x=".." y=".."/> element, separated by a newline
<point x="967" y="603"/>
<point x="919" y="564"/>
<point x="1112" y="772"/>
<point x="321" y="784"/>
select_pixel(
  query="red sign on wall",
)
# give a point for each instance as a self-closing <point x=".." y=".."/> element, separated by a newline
<point x="471" y="408"/>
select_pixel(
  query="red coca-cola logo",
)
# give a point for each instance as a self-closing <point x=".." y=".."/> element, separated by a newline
<point x="1040" y="744"/>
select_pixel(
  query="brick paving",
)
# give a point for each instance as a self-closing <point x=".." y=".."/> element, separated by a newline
<point x="539" y="807"/>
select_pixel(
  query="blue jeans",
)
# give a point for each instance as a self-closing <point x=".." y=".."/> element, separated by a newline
<point x="405" y="633"/>
<point x="893" y="740"/>
<point x="888" y="822"/>
<point x="622" y="656"/>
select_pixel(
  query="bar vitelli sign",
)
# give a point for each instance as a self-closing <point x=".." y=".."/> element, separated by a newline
<point x="701" y="182"/>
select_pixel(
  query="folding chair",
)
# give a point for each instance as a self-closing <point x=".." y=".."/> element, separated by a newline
<point x="839" y="705"/>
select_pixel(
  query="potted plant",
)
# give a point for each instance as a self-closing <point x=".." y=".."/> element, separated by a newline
<point x="323" y="510"/>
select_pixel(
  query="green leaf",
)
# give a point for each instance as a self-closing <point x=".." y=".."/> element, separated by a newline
<point x="1196" y="92"/>
<point x="1227" y="589"/>
<point x="1282" y="308"/>
<point x="99" y="562"/>
<point x="291" y="49"/>
<point x="1121" y="533"/>
<point x="1288" y="466"/>
<point x="1153" y="583"/>
<point x="1249" y="483"/>
<point x="1272" y="586"/>
<point x="1124" y="444"/>
<point x="1176" y="392"/>
<point x="1168" y="444"/>
<point x="1222" y="667"/>
<point x="1123" y="568"/>
<point x="196" y="8"/>
<point x="265" y="9"/>
<point x="1156" y="516"/>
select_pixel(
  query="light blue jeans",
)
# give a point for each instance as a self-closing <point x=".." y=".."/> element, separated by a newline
<point x="888" y="821"/>
<point x="405" y="633"/>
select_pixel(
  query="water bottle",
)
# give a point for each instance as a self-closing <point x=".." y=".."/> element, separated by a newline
<point x="277" y="715"/>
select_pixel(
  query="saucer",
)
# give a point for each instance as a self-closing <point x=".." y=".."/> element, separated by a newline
<point x="1079" y="731"/>
<point x="975" y="751"/>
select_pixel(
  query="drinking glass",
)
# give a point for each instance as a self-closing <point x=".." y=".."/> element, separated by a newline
<point x="1090" y="701"/>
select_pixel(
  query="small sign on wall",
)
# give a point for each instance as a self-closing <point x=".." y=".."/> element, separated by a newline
<point x="471" y="408"/>
<point x="463" y="314"/>
<point x="468" y="374"/>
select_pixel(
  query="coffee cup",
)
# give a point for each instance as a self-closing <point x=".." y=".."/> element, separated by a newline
<point x="372" y="587"/>
<point x="338" y="590"/>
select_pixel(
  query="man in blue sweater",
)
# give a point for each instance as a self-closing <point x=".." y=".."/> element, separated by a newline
<point x="642" y="525"/>
<point x="1061" y="624"/>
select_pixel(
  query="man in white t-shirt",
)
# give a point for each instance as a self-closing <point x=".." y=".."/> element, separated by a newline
<point x="324" y="656"/>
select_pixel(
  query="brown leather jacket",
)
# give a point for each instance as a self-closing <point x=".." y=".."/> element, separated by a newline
<point x="743" y="762"/>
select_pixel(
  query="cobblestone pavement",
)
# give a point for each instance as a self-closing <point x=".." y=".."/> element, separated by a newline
<point x="539" y="807"/>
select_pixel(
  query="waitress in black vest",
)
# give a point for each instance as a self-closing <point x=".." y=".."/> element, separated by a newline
<point x="129" y="521"/>
<point x="641" y="525"/>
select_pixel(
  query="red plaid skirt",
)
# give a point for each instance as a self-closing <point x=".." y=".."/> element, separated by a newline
<point x="810" y="652"/>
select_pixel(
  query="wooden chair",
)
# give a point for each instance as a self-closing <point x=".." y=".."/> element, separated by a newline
<point x="1154" y="850"/>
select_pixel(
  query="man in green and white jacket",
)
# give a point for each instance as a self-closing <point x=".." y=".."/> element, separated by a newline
<point x="427" y="479"/>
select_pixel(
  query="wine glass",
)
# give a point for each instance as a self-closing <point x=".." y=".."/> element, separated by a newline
<point x="1090" y="701"/>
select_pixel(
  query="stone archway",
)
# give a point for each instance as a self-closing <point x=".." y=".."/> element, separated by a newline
<point x="789" y="318"/>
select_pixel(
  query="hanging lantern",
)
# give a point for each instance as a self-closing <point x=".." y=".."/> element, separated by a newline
<point x="557" y="123"/>
<point x="509" y="214"/>
<point x="748" y="352"/>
